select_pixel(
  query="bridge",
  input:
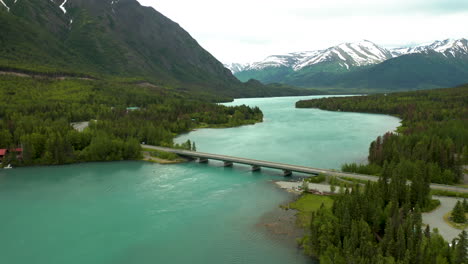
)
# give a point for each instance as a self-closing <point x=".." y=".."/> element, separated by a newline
<point x="287" y="169"/>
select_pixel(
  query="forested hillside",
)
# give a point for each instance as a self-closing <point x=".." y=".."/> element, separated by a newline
<point x="114" y="40"/>
<point x="433" y="138"/>
<point x="36" y="114"/>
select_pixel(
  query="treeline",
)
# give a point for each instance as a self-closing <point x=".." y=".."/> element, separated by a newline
<point x="433" y="136"/>
<point x="381" y="224"/>
<point x="36" y="115"/>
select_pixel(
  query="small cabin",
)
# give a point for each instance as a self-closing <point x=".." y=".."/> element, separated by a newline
<point x="4" y="153"/>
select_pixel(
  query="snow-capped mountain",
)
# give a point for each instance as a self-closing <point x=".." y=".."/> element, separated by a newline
<point x="366" y="65"/>
<point x="236" y="67"/>
<point x="349" y="55"/>
<point x="448" y="47"/>
<point x="346" y="55"/>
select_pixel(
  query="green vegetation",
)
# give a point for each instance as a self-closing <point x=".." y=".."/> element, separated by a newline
<point x="431" y="206"/>
<point x="458" y="213"/>
<point x="353" y="180"/>
<point x="448" y="218"/>
<point x="118" y="41"/>
<point x="381" y="222"/>
<point x="316" y="179"/>
<point x="36" y="114"/>
<point x="371" y="169"/>
<point x="432" y="141"/>
<point x="449" y="193"/>
<point x="308" y="203"/>
<point x="163" y="155"/>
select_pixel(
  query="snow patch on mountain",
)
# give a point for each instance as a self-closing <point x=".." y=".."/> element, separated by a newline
<point x="348" y="55"/>
<point x="62" y="6"/>
<point x="236" y="67"/>
<point x="453" y="47"/>
<point x="112" y="5"/>
<point x="8" y="9"/>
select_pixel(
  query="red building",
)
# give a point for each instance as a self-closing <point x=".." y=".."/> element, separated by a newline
<point x="4" y="152"/>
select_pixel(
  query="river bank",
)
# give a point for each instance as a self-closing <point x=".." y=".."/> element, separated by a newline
<point x="435" y="218"/>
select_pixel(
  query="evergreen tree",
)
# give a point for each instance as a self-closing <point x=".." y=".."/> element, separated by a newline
<point x="458" y="213"/>
<point x="461" y="247"/>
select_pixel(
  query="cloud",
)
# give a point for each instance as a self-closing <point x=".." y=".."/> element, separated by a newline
<point x="250" y="30"/>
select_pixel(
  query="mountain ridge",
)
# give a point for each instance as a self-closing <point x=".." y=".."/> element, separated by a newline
<point x="355" y="65"/>
<point x="299" y="60"/>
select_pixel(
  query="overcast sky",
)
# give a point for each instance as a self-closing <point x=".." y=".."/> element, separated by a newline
<point x="249" y="30"/>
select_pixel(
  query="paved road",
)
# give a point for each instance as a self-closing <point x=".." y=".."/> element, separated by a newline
<point x="435" y="219"/>
<point x="287" y="167"/>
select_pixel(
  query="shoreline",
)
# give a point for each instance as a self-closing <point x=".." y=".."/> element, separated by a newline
<point x="292" y="186"/>
<point x="280" y="225"/>
<point x="148" y="158"/>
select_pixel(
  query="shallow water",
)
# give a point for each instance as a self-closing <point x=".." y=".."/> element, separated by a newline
<point x="138" y="212"/>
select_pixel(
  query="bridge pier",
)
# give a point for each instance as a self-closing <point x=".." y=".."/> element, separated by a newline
<point x="287" y="173"/>
<point x="256" y="168"/>
<point x="202" y="160"/>
<point x="227" y="163"/>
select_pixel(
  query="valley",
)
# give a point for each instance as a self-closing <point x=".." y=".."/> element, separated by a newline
<point x="99" y="99"/>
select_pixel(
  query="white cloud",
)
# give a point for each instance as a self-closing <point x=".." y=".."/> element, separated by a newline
<point x="250" y="30"/>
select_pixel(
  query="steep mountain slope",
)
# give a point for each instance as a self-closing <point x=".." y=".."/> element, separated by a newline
<point x="117" y="39"/>
<point x="364" y="65"/>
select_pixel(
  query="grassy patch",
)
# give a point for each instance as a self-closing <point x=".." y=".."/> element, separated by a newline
<point x="447" y="219"/>
<point x="355" y="180"/>
<point x="308" y="203"/>
<point x="316" y="179"/>
<point x="449" y="193"/>
<point x="432" y="206"/>
<point x="164" y="155"/>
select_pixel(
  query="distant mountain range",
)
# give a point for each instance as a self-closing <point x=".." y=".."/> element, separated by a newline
<point x="114" y="39"/>
<point x="365" y="65"/>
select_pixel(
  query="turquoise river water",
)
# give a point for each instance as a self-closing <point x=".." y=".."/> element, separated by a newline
<point x="138" y="212"/>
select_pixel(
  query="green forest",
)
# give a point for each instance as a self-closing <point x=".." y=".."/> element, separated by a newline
<point x="36" y="115"/>
<point x="433" y="137"/>
<point x="378" y="224"/>
<point x="381" y="222"/>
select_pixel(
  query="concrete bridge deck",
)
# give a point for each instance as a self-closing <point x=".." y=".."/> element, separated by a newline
<point x="287" y="169"/>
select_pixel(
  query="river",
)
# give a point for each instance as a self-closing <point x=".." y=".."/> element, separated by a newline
<point x="138" y="212"/>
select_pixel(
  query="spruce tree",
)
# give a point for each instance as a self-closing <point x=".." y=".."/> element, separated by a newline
<point x="458" y="213"/>
<point x="461" y="254"/>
